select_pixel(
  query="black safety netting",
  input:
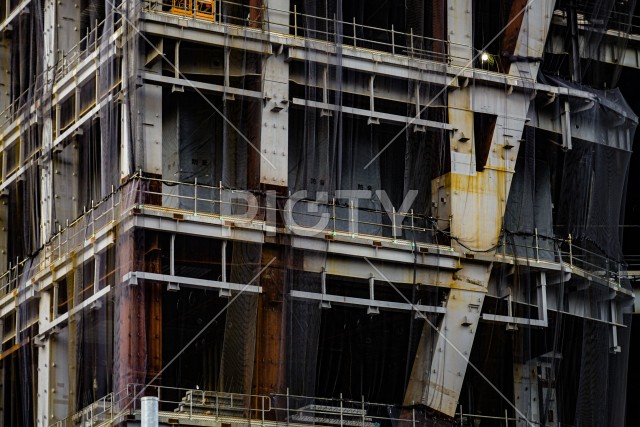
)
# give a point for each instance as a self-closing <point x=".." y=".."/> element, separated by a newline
<point x="567" y="203"/>
<point x="208" y="291"/>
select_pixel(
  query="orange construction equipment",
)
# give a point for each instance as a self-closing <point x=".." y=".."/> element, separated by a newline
<point x="205" y="9"/>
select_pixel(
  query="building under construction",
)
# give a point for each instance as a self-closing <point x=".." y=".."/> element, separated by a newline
<point x="337" y="213"/>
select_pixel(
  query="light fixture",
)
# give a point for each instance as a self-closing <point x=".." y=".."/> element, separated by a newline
<point x="484" y="57"/>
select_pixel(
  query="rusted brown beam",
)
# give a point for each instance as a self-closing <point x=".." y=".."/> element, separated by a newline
<point x="270" y="339"/>
<point x="439" y="26"/>
<point x="255" y="13"/>
<point x="512" y="31"/>
<point x="129" y="334"/>
<point x="153" y="305"/>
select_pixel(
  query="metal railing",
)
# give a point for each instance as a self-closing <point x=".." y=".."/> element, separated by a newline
<point x="312" y="27"/>
<point x="545" y="249"/>
<point x="291" y="215"/>
<point x="74" y="235"/>
<point x="174" y="402"/>
<point x="89" y="44"/>
<point x="182" y="405"/>
<point x="326" y="219"/>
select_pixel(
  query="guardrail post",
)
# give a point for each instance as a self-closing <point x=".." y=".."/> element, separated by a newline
<point x="195" y="197"/>
<point x="363" y="412"/>
<point x="341" y="414"/>
<point x="287" y="406"/>
<point x="333" y="207"/>
<point x="393" y="40"/>
<point x="191" y="404"/>
<point x="393" y="224"/>
<point x="506" y="418"/>
<point x="352" y="225"/>
<point x="289" y="214"/>
<point x="570" y="252"/>
<point x="504" y="243"/>
<point x="220" y="199"/>
<point x="355" y="37"/>
<point x="413" y="414"/>
<point x="295" y="20"/>
<point x="413" y="231"/>
<point x="411" y="44"/>
<point x="619" y="274"/>
<point x="535" y="230"/>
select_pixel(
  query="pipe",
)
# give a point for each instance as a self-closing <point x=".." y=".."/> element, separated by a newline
<point x="149" y="408"/>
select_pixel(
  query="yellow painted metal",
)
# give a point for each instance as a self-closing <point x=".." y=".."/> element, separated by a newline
<point x="205" y="9"/>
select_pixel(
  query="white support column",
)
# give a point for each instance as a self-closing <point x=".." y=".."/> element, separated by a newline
<point x="46" y="183"/>
<point x="440" y="366"/>
<point x="59" y="376"/>
<point x="460" y="26"/>
<point x="525" y="386"/>
<point x="614" y="346"/>
<point x="4" y="230"/>
<point x="65" y="183"/>
<point x="60" y="170"/>
<point x="66" y="33"/>
<point x="125" y="134"/>
<point x="151" y="119"/>
<point x="542" y="297"/>
<point x="274" y="145"/>
<point x="44" y="360"/>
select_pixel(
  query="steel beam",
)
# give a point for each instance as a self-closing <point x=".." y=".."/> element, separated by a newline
<point x="387" y="117"/>
<point x="45" y="402"/>
<point x="150" y="120"/>
<point x="66" y="163"/>
<point x="4" y="230"/>
<point x="512" y="30"/>
<point x="134" y="277"/>
<point x="201" y="86"/>
<point x="193" y="30"/>
<point x="609" y="51"/>
<point x="362" y="302"/>
<point x="473" y="197"/>
<point x="532" y="37"/>
<point x="274" y="132"/>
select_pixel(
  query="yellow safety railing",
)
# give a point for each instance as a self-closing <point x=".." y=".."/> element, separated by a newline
<point x="205" y="9"/>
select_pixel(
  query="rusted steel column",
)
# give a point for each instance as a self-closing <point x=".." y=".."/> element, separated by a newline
<point x="439" y="27"/>
<point x="271" y="343"/>
<point x="512" y="32"/>
<point x="129" y="340"/>
<point x="255" y="13"/>
<point x="153" y="305"/>
<point x="270" y="339"/>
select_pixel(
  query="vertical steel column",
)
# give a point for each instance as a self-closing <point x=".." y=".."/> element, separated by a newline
<point x="4" y="230"/>
<point x="44" y="362"/>
<point x="572" y="18"/>
<point x="153" y="309"/>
